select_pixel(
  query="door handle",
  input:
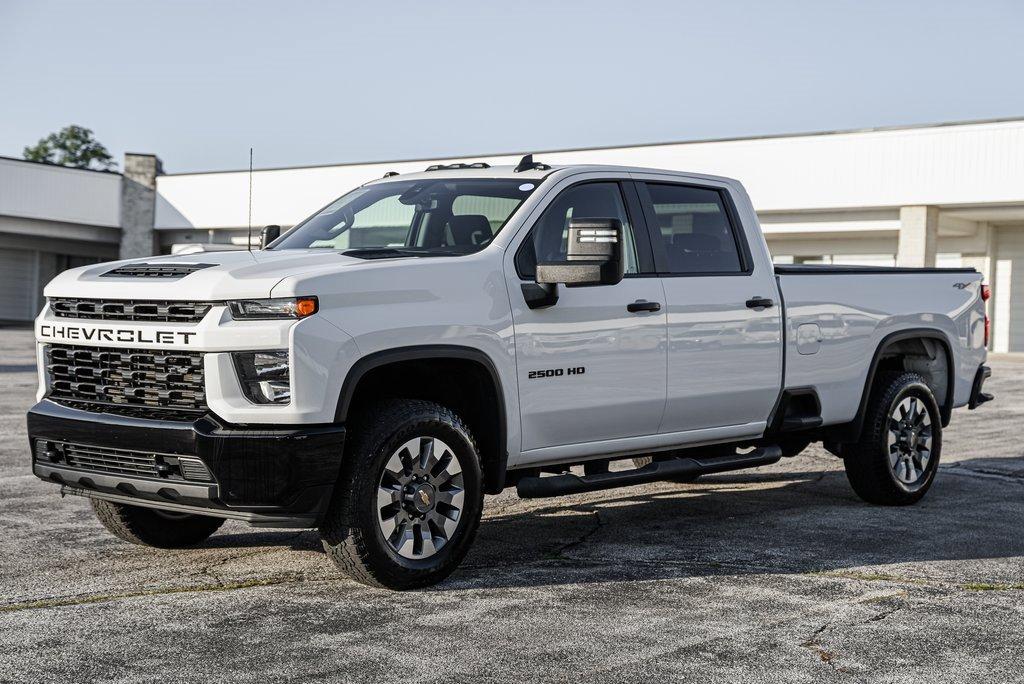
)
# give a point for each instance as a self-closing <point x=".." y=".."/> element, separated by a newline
<point x="643" y="305"/>
<point x="759" y="303"/>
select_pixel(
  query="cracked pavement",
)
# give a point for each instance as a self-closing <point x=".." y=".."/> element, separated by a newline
<point x="774" y="574"/>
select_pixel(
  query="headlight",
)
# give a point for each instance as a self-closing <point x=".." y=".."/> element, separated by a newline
<point x="279" y="307"/>
<point x="265" y="376"/>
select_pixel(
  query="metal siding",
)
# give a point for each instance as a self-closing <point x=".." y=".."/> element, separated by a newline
<point x="956" y="164"/>
<point x="18" y="283"/>
<point x="55" y="193"/>
<point x="1008" y="292"/>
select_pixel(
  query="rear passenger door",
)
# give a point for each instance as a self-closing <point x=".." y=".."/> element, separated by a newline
<point x="724" y="353"/>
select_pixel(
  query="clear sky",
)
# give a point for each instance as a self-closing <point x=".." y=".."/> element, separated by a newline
<point x="199" y="82"/>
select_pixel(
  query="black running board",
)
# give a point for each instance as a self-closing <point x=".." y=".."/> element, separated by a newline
<point x="558" y="485"/>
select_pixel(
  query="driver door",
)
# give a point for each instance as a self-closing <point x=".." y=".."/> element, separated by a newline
<point x="589" y="369"/>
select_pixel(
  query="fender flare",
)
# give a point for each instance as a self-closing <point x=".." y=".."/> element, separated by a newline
<point x="494" y="469"/>
<point x="945" y="406"/>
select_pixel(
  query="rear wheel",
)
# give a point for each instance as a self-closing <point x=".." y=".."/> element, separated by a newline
<point x="409" y="499"/>
<point x="152" y="527"/>
<point x="897" y="457"/>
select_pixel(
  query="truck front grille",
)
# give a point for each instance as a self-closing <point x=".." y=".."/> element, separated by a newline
<point x="130" y="310"/>
<point x="153" y="465"/>
<point x="127" y="380"/>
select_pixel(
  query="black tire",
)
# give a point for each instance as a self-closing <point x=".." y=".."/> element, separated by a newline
<point x="150" y="527"/>
<point x="351" y="530"/>
<point x="641" y="461"/>
<point x="868" y="465"/>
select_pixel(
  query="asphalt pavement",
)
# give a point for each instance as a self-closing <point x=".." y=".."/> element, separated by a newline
<point x="775" y="574"/>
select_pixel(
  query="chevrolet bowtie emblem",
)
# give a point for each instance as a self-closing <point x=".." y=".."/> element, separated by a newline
<point x="425" y="498"/>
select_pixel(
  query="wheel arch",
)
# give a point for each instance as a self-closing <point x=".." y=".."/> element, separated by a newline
<point x="484" y="408"/>
<point x="900" y="345"/>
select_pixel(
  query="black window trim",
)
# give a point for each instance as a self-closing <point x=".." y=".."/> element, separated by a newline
<point x="658" y="245"/>
<point x="634" y="213"/>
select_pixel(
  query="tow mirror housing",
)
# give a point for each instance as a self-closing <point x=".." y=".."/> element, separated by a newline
<point x="269" y="234"/>
<point x="593" y="255"/>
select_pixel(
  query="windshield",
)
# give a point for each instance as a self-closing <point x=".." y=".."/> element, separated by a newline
<point x="422" y="217"/>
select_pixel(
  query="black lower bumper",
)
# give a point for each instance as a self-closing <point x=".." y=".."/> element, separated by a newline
<point x="977" y="396"/>
<point x="281" y="477"/>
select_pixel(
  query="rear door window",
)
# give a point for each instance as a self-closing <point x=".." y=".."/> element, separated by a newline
<point x="695" y="230"/>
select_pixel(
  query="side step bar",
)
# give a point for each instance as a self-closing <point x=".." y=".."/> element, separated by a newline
<point x="558" y="485"/>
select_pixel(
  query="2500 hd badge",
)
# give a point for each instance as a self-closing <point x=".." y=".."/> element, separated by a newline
<point x="556" y="372"/>
<point x="127" y="335"/>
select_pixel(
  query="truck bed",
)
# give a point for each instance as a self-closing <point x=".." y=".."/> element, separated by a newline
<point x="837" y="317"/>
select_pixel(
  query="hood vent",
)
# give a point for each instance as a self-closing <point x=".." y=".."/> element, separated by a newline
<point x="155" y="270"/>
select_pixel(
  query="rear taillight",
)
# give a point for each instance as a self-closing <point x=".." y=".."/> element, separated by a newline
<point x="986" y="293"/>
<point x="988" y="329"/>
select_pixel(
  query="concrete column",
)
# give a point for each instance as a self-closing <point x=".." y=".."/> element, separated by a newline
<point x="985" y="262"/>
<point x="919" y="236"/>
<point x="138" y="205"/>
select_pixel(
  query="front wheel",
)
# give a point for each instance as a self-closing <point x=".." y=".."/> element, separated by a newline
<point x="409" y="498"/>
<point x="153" y="527"/>
<point x="895" y="461"/>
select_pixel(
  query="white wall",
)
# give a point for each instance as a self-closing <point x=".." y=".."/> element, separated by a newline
<point x="56" y="193"/>
<point x="951" y="164"/>
<point x="1008" y="292"/>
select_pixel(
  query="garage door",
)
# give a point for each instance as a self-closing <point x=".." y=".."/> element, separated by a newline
<point x="1008" y="293"/>
<point x="17" y="285"/>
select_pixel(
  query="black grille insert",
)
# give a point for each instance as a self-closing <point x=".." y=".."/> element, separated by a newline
<point x="109" y="380"/>
<point x="130" y="309"/>
<point x="155" y="270"/>
<point x="152" y="465"/>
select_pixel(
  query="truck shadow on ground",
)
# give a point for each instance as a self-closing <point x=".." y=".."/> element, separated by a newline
<point x="729" y="524"/>
<point x="751" y="523"/>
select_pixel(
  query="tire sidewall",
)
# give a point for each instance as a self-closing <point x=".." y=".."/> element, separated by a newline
<point x="367" y="515"/>
<point x="922" y="392"/>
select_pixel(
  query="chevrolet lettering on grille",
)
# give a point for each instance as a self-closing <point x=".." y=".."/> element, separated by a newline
<point x="124" y="335"/>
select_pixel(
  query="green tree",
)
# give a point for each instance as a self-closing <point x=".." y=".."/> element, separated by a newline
<point x="72" y="146"/>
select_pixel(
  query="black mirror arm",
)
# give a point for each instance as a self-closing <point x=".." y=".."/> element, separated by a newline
<point x="540" y="295"/>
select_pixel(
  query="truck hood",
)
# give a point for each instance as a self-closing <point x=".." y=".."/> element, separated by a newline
<point x="216" y="275"/>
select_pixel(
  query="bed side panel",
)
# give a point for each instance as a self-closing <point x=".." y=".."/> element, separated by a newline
<point x="835" y="323"/>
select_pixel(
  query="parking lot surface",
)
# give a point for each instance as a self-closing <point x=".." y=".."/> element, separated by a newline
<point x="775" y="574"/>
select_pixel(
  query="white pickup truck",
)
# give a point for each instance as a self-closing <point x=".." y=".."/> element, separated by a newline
<point x="428" y="339"/>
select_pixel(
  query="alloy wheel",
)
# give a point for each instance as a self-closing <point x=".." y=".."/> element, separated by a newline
<point x="909" y="440"/>
<point x="420" y="498"/>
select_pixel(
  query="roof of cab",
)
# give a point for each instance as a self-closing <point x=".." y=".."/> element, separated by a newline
<point x="559" y="171"/>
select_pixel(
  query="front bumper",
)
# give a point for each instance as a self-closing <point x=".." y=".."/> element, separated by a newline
<point x="279" y="477"/>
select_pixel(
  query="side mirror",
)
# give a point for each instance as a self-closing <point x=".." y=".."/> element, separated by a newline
<point x="268" y="235"/>
<point x="593" y="255"/>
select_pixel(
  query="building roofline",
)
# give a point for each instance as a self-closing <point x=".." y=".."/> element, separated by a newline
<point x="696" y="141"/>
<point x="58" y="166"/>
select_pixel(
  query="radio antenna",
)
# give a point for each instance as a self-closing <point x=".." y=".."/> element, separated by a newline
<point x="248" y="236"/>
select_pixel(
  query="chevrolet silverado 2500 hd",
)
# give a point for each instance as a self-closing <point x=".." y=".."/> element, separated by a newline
<point x="428" y="339"/>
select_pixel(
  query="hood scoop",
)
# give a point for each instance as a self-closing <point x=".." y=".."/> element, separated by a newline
<point x="155" y="270"/>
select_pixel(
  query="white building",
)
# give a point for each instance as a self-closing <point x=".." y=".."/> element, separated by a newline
<point x="948" y="194"/>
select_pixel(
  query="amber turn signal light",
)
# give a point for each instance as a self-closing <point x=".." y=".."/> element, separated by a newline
<point x="305" y="306"/>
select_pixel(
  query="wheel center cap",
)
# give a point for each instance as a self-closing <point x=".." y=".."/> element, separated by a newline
<point x="423" y="498"/>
